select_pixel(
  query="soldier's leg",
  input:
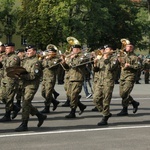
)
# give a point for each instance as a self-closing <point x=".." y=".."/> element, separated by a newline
<point x="8" y="91"/>
<point x="98" y="97"/>
<point x="107" y="92"/>
<point x="146" y="77"/>
<point x="66" y="86"/>
<point x="28" y="108"/>
<point x="75" y="90"/>
<point x="125" y="90"/>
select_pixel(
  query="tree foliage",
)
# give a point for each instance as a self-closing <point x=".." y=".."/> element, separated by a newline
<point x="94" y="22"/>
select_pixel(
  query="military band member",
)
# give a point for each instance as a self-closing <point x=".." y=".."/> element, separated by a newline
<point x="31" y="82"/>
<point x="76" y="79"/>
<point x="129" y="66"/>
<point x="22" y="55"/>
<point x="146" y="68"/>
<point x="105" y="68"/>
<point x="96" y="74"/>
<point x="8" y="84"/>
<point x="50" y="65"/>
<point x="2" y="55"/>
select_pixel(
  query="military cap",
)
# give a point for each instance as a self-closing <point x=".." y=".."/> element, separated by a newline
<point x="101" y="48"/>
<point x="31" y="47"/>
<point x="9" y="44"/>
<point x="76" y="46"/>
<point x="107" y="46"/>
<point x="20" y="50"/>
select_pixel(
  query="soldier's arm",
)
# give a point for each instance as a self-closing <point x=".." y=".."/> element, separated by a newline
<point x="34" y="73"/>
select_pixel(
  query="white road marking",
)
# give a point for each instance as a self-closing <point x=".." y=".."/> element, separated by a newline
<point x="73" y="131"/>
<point x="89" y="100"/>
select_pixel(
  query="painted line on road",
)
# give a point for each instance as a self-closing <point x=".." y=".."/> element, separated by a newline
<point x="73" y="131"/>
<point x="89" y="100"/>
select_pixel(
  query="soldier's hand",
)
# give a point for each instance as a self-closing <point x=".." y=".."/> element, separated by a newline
<point x="126" y="65"/>
<point x="17" y="76"/>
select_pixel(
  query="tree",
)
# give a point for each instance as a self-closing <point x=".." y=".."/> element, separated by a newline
<point x="8" y="18"/>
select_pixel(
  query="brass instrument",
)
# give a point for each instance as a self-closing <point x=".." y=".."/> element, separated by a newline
<point x="46" y="53"/>
<point x="122" y="53"/>
<point x="124" y="43"/>
<point x="51" y="46"/>
<point x="72" y="41"/>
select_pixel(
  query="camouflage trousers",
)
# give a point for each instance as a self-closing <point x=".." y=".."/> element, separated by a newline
<point x="47" y="89"/>
<point x="7" y="93"/>
<point x="125" y="89"/>
<point x="102" y="96"/>
<point x="27" y="107"/>
<point x="73" y="93"/>
<point x="146" y="76"/>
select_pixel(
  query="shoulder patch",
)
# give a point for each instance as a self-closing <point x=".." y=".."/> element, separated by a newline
<point x="36" y="71"/>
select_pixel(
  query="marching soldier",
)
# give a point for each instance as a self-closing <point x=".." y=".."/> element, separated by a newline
<point x="8" y="84"/>
<point x="103" y="88"/>
<point x="50" y="65"/>
<point x="146" y="68"/>
<point x="75" y="80"/>
<point x="96" y="74"/>
<point x="2" y="55"/>
<point x="31" y="81"/>
<point x="129" y="66"/>
<point x="22" y="55"/>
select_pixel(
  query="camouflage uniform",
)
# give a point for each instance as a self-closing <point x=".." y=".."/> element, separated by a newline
<point x="31" y="83"/>
<point x="104" y="84"/>
<point x="146" y="68"/>
<point x="2" y="56"/>
<point x="127" y="79"/>
<point x="9" y="85"/>
<point x="49" y="79"/>
<point x="20" y="87"/>
<point x="75" y="82"/>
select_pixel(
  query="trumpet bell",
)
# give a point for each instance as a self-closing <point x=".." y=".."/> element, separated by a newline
<point x="125" y="41"/>
<point x="51" y="46"/>
<point x="73" y="41"/>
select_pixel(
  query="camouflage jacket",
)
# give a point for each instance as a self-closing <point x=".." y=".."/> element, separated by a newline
<point x="34" y="69"/>
<point x="130" y="72"/>
<point x="76" y="68"/>
<point x="106" y="69"/>
<point x="50" y="67"/>
<point x="10" y="60"/>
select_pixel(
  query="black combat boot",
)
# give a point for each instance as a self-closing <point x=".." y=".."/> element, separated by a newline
<point x="82" y="107"/>
<point x="6" y="117"/>
<point x="23" y="126"/>
<point x="41" y="118"/>
<point x="124" y="112"/>
<point x="71" y="114"/>
<point x="67" y="103"/>
<point x="46" y="110"/>
<point x="55" y="104"/>
<point x="18" y="103"/>
<point x="104" y="120"/>
<point x="55" y="94"/>
<point x="135" y="106"/>
<point x="95" y="109"/>
<point x="15" y="112"/>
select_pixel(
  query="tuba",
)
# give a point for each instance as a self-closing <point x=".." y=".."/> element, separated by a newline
<point x="124" y="43"/>
<point x="72" y="41"/>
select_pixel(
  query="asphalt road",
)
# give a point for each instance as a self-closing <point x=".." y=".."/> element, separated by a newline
<point x="82" y="133"/>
